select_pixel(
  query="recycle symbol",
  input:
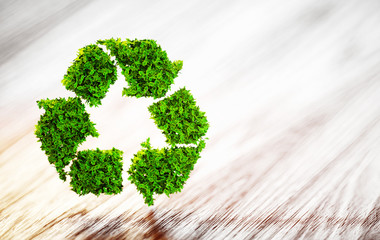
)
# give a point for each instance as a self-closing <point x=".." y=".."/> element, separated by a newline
<point x="148" y="71"/>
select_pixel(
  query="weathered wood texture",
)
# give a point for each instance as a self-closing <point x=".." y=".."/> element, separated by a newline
<point x="291" y="90"/>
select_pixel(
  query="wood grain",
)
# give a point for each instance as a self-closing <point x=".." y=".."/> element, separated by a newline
<point x="291" y="91"/>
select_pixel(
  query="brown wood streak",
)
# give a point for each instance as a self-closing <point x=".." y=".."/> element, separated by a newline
<point x="291" y="98"/>
<point x="111" y="228"/>
<point x="309" y="222"/>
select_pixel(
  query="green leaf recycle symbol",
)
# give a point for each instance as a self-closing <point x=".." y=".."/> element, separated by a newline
<point x="148" y="71"/>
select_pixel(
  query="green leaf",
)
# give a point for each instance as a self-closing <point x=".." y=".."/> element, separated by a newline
<point x="145" y="66"/>
<point x="97" y="171"/>
<point x="154" y="171"/>
<point x="185" y="124"/>
<point x="91" y="74"/>
<point x="57" y="132"/>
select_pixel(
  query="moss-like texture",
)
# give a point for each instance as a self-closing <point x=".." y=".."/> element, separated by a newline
<point x="179" y="118"/>
<point x="97" y="171"/>
<point x="91" y="74"/>
<point x="145" y="66"/>
<point x="149" y="73"/>
<point x="61" y="129"/>
<point x="158" y="171"/>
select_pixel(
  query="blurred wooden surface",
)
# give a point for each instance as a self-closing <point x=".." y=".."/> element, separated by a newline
<point x="291" y="90"/>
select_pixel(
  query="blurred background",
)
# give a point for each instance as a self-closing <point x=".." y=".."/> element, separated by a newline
<point x="291" y="90"/>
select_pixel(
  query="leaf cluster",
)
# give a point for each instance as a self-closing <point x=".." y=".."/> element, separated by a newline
<point x="64" y="125"/>
<point x="97" y="171"/>
<point x="158" y="171"/>
<point x="91" y="74"/>
<point x="179" y="118"/>
<point x="149" y="73"/>
<point x="146" y="67"/>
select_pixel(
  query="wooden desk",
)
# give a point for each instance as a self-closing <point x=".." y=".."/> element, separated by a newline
<point x="291" y="91"/>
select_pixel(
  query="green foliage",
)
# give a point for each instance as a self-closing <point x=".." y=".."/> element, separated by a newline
<point x="149" y="73"/>
<point x="64" y="126"/>
<point x="162" y="170"/>
<point x="179" y="118"/>
<point x="91" y="74"/>
<point x="97" y="171"/>
<point x="146" y="67"/>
